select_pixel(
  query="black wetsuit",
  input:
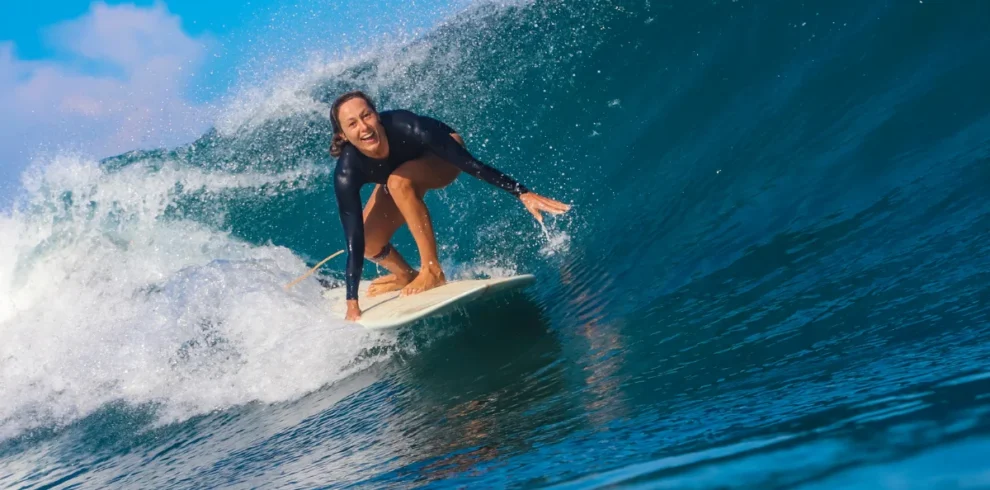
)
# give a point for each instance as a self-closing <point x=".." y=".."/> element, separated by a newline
<point x="410" y="136"/>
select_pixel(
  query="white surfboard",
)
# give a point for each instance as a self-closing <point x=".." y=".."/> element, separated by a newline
<point x="389" y="310"/>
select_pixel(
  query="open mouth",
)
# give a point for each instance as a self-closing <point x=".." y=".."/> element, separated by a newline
<point x="370" y="138"/>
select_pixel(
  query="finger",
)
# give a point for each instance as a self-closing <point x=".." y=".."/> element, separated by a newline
<point x="555" y="208"/>
<point x="536" y="214"/>
<point x="556" y="205"/>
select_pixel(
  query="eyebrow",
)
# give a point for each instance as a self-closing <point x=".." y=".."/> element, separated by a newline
<point x="362" y="114"/>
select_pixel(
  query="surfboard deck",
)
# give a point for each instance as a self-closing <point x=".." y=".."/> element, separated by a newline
<point x="388" y="311"/>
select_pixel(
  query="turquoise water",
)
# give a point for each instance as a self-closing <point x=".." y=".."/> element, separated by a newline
<point x="774" y="274"/>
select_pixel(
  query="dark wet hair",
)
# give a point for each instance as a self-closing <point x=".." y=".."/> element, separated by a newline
<point x="338" y="142"/>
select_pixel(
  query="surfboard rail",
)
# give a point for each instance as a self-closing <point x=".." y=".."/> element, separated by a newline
<point x="389" y="310"/>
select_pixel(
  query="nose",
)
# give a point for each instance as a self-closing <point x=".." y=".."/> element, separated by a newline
<point x="363" y="126"/>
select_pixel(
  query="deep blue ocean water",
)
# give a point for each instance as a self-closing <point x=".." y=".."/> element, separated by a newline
<point x="775" y="273"/>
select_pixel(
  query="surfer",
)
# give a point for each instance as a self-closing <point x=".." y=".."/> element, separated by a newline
<point x="404" y="155"/>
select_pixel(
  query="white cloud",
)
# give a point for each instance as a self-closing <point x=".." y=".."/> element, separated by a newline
<point x="119" y="83"/>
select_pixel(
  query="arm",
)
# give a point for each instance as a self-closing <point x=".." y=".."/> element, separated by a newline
<point x="437" y="137"/>
<point x="347" y="188"/>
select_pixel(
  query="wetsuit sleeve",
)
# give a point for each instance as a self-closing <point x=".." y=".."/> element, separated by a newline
<point x="347" y="187"/>
<point x="435" y="135"/>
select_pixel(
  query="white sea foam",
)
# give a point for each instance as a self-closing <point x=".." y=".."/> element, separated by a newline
<point x="105" y="298"/>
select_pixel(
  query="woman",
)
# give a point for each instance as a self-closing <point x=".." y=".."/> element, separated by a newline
<point x="405" y="155"/>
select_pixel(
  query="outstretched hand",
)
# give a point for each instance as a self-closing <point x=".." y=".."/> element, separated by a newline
<point x="536" y="203"/>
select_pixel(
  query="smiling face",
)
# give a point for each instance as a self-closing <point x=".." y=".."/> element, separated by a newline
<point x="360" y="124"/>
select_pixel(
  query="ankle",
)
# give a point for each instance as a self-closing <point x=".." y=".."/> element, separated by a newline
<point x="431" y="268"/>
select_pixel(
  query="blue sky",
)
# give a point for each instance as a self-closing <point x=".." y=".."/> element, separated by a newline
<point x="105" y="77"/>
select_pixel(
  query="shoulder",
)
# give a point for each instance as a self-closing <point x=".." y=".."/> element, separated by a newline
<point x="402" y="124"/>
<point x="412" y="123"/>
<point x="399" y="120"/>
<point x="349" y="157"/>
<point x="398" y="115"/>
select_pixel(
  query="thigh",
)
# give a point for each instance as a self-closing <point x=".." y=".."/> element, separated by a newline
<point x="381" y="219"/>
<point x="427" y="172"/>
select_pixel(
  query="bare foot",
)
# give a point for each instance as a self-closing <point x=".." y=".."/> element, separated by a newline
<point x="389" y="283"/>
<point x="427" y="279"/>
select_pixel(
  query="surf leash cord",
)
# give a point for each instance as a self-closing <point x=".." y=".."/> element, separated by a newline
<point x="311" y="271"/>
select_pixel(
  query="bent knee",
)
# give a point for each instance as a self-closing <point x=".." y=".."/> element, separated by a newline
<point x="400" y="185"/>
